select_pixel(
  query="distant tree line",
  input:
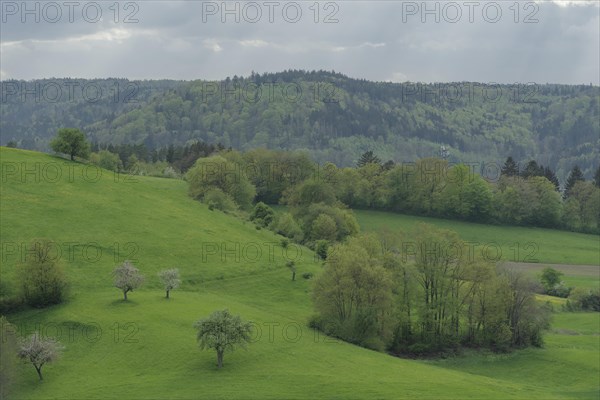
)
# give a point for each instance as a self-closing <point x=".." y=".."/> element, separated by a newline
<point x="336" y="117"/>
<point x="230" y="180"/>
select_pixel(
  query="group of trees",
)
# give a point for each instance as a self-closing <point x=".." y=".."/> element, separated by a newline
<point x="433" y="187"/>
<point x="127" y="278"/>
<point x="377" y="293"/>
<point x="168" y="162"/>
<point x="334" y="116"/>
<point x="578" y="298"/>
<point x="230" y="180"/>
<point x="552" y="283"/>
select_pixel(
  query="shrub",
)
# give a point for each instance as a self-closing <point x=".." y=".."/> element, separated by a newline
<point x="217" y="199"/>
<point x="307" y="275"/>
<point x="324" y="228"/>
<point x="285" y="225"/>
<point x="216" y="172"/>
<point x="584" y="299"/>
<point x="559" y="290"/>
<point x="321" y="248"/>
<point x="43" y="281"/>
<point x="262" y="214"/>
<point x="169" y="172"/>
<point x="107" y="160"/>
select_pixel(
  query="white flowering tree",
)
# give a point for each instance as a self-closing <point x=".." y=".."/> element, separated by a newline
<point x="127" y="278"/>
<point x="170" y="279"/>
<point x="39" y="351"/>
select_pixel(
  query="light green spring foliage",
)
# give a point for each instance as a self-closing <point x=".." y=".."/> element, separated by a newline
<point x="216" y="172"/>
<point x="223" y="332"/>
<point x="72" y="142"/>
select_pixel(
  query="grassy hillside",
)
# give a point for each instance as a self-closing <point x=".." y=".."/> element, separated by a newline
<point x="146" y="348"/>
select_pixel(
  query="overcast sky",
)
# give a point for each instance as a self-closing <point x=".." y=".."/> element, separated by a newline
<point x="550" y="41"/>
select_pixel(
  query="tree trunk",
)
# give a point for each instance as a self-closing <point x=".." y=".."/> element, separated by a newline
<point x="72" y="157"/>
<point x="220" y="359"/>
<point x="167" y="294"/>
<point x="294" y="275"/>
<point x="39" y="372"/>
<point x="125" y="295"/>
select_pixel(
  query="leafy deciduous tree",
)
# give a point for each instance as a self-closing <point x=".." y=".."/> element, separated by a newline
<point x="71" y="141"/>
<point x="223" y="332"/>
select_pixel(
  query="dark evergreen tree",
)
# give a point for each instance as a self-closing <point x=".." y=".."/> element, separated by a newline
<point x="575" y="176"/>
<point x="532" y="169"/>
<point x="551" y="176"/>
<point x="510" y="168"/>
<point x="368" y="158"/>
<point x="388" y="165"/>
<point x="597" y="177"/>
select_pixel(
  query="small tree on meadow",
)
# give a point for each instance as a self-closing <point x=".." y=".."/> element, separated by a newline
<point x="170" y="279"/>
<point x="222" y="332"/>
<point x="292" y="266"/>
<point x="39" y="351"/>
<point x="127" y="278"/>
<point x="71" y="141"/>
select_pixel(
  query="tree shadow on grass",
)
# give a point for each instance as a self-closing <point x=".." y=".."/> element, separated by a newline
<point x="124" y="303"/>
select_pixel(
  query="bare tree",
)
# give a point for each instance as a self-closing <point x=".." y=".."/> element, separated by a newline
<point x="170" y="279"/>
<point x="127" y="278"/>
<point x="39" y="351"/>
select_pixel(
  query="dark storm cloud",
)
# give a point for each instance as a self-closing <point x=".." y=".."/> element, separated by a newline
<point x="375" y="40"/>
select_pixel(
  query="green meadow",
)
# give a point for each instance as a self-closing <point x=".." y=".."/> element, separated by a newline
<point x="504" y="243"/>
<point x="146" y="349"/>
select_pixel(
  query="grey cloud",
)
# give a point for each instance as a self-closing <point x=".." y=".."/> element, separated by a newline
<point x="371" y="40"/>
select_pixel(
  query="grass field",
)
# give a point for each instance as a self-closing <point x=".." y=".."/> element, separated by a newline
<point x="506" y="243"/>
<point x="146" y="348"/>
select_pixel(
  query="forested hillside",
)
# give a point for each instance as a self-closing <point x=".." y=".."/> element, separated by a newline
<point x="334" y="117"/>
